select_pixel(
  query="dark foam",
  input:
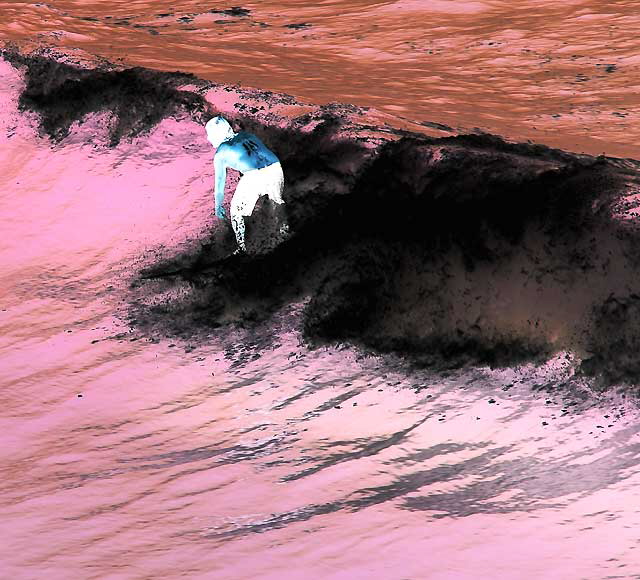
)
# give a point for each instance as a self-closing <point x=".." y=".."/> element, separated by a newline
<point x="413" y="248"/>
<point x="62" y="93"/>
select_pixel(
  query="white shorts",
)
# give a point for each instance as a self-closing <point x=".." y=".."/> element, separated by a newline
<point x="254" y="184"/>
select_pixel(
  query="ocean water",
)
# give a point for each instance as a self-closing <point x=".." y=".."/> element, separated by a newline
<point x="125" y="455"/>
<point x="560" y="73"/>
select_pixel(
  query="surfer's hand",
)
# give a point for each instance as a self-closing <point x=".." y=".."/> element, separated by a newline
<point x="220" y="213"/>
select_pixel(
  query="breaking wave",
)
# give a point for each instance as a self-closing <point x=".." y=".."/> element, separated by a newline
<point x="454" y="249"/>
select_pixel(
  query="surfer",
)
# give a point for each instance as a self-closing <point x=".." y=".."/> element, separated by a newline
<point x="261" y="169"/>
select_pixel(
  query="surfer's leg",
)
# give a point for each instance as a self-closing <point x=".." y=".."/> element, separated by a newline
<point x="237" y="222"/>
<point x="242" y="204"/>
<point x="274" y="190"/>
<point x="237" y="216"/>
<point x="275" y="185"/>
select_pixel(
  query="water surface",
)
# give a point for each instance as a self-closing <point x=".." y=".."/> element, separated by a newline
<point x="125" y="457"/>
<point x="565" y="74"/>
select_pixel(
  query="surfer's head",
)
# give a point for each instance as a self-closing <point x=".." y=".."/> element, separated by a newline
<point x="218" y="130"/>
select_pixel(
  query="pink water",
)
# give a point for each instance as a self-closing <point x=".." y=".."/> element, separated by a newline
<point x="177" y="462"/>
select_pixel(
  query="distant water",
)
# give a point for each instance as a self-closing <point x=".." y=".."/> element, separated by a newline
<point x="561" y="73"/>
<point x="125" y="457"/>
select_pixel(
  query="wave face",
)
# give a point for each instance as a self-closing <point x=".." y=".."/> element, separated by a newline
<point x="164" y="412"/>
<point x="459" y="249"/>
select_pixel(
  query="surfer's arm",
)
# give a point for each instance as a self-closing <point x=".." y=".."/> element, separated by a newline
<point x="220" y="169"/>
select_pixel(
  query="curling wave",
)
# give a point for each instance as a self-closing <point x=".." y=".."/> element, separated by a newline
<point x="456" y="249"/>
